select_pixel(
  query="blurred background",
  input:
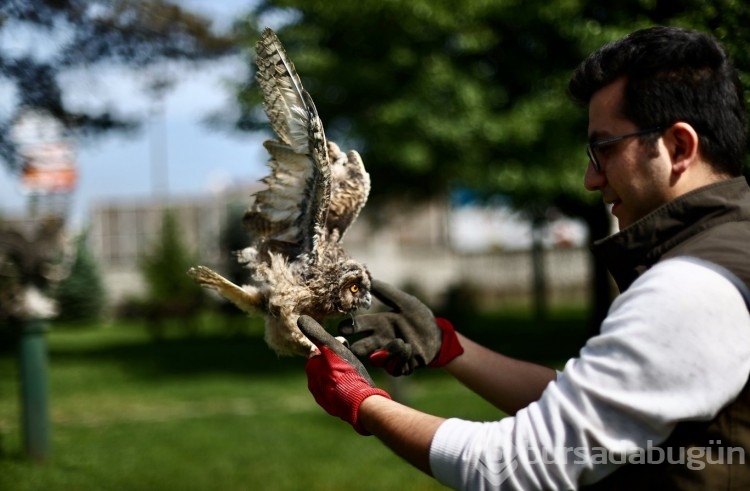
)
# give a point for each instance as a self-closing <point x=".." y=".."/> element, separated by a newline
<point x="135" y="127"/>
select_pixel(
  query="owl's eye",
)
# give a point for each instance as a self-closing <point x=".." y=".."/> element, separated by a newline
<point x="354" y="288"/>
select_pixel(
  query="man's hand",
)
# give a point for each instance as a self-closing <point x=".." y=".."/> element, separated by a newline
<point x="407" y="337"/>
<point x="337" y="380"/>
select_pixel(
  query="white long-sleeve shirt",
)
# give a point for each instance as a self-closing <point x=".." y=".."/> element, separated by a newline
<point x="674" y="347"/>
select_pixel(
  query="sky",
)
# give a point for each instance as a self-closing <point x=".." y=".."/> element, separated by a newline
<point x="196" y="159"/>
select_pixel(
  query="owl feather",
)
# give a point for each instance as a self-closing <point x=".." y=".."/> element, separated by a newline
<point x="314" y="192"/>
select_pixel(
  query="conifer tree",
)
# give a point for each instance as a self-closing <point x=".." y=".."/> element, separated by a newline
<point x="82" y="295"/>
<point x="164" y="269"/>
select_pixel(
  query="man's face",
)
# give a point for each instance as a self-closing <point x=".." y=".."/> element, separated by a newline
<point x="634" y="178"/>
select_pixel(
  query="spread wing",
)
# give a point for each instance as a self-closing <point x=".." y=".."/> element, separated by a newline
<point x="313" y="186"/>
<point x="351" y="186"/>
<point x="294" y="207"/>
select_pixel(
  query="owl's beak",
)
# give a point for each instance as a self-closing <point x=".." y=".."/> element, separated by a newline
<point x="366" y="301"/>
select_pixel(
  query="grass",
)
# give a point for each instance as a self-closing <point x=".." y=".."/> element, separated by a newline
<point x="209" y="411"/>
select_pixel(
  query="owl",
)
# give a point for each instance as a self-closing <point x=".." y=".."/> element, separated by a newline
<point x="295" y="259"/>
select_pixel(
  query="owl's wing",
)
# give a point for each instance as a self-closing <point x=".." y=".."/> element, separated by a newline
<point x="294" y="207"/>
<point x="350" y="188"/>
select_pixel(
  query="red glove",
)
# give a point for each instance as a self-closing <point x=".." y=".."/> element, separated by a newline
<point x="451" y="347"/>
<point x="391" y="358"/>
<point x="337" y="380"/>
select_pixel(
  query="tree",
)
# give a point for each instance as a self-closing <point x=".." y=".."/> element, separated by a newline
<point x="165" y="267"/>
<point x="83" y="34"/>
<point x="81" y="296"/>
<point x="171" y="293"/>
<point x="444" y="96"/>
<point x="430" y="104"/>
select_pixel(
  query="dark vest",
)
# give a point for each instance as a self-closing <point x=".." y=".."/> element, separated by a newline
<point x="713" y="224"/>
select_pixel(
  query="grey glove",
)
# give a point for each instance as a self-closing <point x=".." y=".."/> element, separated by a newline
<point x="407" y="337"/>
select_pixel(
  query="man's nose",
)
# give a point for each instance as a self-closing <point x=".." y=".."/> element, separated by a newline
<point x="593" y="180"/>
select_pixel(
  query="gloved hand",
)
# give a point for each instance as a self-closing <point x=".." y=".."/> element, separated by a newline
<point x="407" y="337"/>
<point x="336" y="378"/>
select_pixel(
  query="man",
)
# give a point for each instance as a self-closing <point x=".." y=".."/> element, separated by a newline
<point x="660" y="398"/>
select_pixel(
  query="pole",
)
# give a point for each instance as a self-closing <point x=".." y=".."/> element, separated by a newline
<point x="34" y="408"/>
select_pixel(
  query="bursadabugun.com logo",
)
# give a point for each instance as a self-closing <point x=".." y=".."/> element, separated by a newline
<point x="496" y="464"/>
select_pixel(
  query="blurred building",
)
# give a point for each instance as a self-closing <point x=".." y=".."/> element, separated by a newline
<point x="428" y="248"/>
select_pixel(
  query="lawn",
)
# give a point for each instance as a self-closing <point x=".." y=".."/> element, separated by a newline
<point x="209" y="411"/>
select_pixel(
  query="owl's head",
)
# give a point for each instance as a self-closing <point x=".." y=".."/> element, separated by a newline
<point x="354" y="283"/>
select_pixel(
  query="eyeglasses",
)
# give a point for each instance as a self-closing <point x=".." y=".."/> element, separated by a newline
<point x="591" y="147"/>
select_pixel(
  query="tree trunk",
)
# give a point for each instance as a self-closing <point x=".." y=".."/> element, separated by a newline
<point x="539" y="282"/>
<point x="597" y="219"/>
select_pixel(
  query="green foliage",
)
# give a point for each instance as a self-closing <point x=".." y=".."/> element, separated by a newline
<point x="164" y="269"/>
<point x="444" y="95"/>
<point x="82" y="296"/>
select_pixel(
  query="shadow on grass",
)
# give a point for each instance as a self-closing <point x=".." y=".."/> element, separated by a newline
<point x="243" y="350"/>
<point x="186" y="356"/>
<point x="179" y="353"/>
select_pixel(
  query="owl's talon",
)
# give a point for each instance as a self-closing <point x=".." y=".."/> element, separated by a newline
<point x="343" y="340"/>
<point x="204" y="276"/>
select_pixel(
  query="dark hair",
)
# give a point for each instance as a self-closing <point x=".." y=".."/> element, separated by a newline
<point x="674" y="74"/>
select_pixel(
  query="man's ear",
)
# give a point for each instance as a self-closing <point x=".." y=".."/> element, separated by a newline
<point x="681" y="141"/>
